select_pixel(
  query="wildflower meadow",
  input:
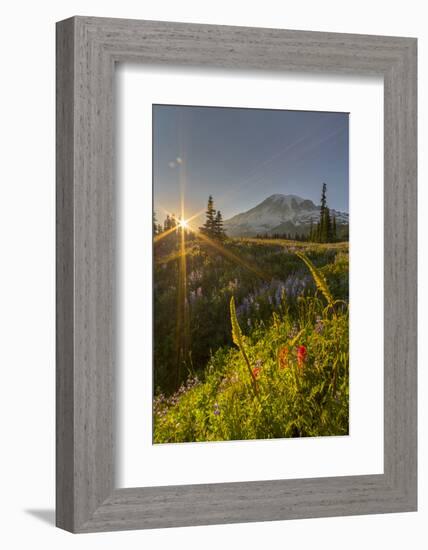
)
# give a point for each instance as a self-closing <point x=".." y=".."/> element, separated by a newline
<point x="261" y="348"/>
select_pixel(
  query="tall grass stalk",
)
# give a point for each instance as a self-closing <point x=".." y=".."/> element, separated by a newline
<point x="239" y="341"/>
<point x="318" y="277"/>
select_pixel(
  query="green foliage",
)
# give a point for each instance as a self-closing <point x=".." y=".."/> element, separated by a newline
<point x="238" y="340"/>
<point x="300" y="360"/>
<point x="336" y="272"/>
<point x="213" y="277"/>
<point x="318" y="277"/>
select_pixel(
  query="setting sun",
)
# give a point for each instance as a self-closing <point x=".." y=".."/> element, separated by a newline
<point x="183" y="224"/>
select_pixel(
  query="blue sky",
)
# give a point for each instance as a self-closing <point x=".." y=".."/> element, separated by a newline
<point x="241" y="156"/>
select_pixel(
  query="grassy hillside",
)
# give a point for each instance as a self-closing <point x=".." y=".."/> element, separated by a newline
<point x="282" y="368"/>
<point x="192" y="291"/>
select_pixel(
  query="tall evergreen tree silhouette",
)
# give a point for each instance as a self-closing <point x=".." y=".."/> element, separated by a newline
<point x="170" y="222"/>
<point x="167" y="223"/>
<point x="219" y="229"/>
<point x="321" y="225"/>
<point x="324" y="231"/>
<point x="311" y="231"/>
<point x="209" y="227"/>
<point x="327" y="226"/>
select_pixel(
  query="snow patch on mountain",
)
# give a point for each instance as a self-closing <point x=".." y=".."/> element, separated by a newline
<point x="279" y="214"/>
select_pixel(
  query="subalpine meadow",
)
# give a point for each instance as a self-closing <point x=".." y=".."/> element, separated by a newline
<point x="251" y="337"/>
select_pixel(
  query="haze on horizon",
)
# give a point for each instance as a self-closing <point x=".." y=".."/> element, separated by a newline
<point x="242" y="156"/>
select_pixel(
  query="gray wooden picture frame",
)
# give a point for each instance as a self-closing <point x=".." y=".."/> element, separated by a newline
<point x="87" y="50"/>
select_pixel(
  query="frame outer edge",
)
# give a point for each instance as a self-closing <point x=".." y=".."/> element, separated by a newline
<point x="400" y="248"/>
<point x="94" y="275"/>
<point x="86" y="498"/>
<point x="65" y="56"/>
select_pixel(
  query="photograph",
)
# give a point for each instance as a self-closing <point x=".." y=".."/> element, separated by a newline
<point x="250" y="274"/>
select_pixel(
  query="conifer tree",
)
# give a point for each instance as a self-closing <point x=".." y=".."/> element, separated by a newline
<point x="311" y="231"/>
<point x="322" y="229"/>
<point x="155" y="224"/>
<point x="327" y="233"/>
<point x="218" y="226"/>
<point x="209" y="227"/>
<point x="334" y="229"/>
<point x="324" y="232"/>
<point x="323" y="197"/>
<point x="167" y="223"/>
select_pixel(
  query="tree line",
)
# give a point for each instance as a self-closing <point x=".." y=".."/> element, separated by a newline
<point x="212" y="227"/>
<point x="322" y="231"/>
<point x="325" y="231"/>
<point x="285" y="236"/>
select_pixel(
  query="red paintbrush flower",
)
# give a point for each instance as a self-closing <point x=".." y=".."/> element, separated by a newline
<point x="301" y="355"/>
<point x="256" y="371"/>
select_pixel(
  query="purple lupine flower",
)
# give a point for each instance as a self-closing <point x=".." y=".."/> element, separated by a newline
<point x="319" y="325"/>
<point x="293" y="332"/>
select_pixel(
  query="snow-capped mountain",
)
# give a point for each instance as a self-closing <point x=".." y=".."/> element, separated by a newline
<point x="279" y="214"/>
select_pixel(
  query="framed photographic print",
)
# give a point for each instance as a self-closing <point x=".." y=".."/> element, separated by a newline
<point x="231" y="302"/>
<point x="236" y="274"/>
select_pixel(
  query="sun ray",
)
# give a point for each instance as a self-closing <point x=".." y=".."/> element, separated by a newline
<point x="164" y="234"/>
<point x="182" y="330"/>
<point x="172" y="257"/>
<point x="186" y="223"/>
<point x="230" y="255"/>
<point x="182" y="326"/>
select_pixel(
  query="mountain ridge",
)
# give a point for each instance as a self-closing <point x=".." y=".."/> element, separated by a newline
<point x="278" y="214"/>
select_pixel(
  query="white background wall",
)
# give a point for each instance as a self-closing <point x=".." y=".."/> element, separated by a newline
<point x="27" y="272"/>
